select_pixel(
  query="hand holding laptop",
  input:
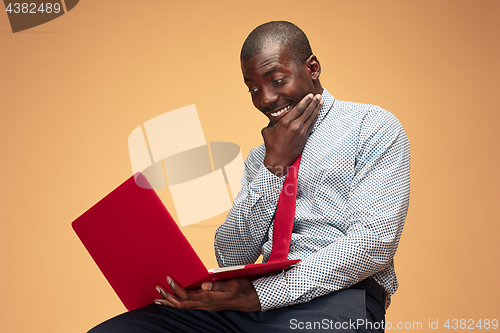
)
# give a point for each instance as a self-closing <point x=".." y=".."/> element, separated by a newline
<point x="234" y="294"/>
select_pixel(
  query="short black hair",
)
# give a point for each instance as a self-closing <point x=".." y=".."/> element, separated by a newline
<point x="293" y="40"/>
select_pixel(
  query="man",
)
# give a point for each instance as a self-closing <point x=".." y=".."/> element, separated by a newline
<point x="352" y="199"/>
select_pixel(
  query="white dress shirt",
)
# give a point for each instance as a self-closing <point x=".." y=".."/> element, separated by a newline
<point x="352" y="197"/>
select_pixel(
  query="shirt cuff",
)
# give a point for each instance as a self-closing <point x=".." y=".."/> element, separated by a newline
<point x="272" y="292"/>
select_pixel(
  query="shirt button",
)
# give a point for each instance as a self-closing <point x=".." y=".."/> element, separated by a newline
<point x="278" y="190"/>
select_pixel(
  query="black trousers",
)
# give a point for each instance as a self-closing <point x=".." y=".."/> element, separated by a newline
<point x="349" y="310"/>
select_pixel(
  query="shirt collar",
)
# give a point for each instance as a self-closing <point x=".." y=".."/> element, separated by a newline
<point x="329" y="99"/>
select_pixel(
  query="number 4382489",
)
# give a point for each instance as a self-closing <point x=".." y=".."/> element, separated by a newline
<point x="32" y="8"/>
<point x="470" y="324"/>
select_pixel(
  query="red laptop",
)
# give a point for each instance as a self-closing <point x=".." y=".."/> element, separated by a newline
<point x="137" y="244"/>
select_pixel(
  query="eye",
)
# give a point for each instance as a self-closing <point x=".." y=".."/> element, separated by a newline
<point x="252" y="91"/>
<point x="278" y="82"/>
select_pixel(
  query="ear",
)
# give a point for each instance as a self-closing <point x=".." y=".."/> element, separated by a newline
<point x="313" y="67"/>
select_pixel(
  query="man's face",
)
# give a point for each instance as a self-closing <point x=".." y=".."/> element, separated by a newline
<point x="275" y="82"/>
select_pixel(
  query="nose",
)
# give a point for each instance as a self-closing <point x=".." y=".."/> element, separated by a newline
<point x="268" y="97"/>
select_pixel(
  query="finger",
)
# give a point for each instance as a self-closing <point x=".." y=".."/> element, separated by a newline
<point x="309" y="117"/>
<point x="186" y="303"/>
<point x="172" y="299"/>
<point x="314" y="115"/>
<point x="176" y="288"/>
<point x="300" y="107"/>
<point x="162" y="301"/>
<point x="314" y="105"/>
<point x="309" y="125"/>
<point x="167" y="297"/>
<point x="161" y="291"/>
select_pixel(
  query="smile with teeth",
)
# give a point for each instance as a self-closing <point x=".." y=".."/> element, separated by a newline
<point x="285" y="109"/>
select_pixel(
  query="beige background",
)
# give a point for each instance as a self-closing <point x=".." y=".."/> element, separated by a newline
<point x="73" y="89"/>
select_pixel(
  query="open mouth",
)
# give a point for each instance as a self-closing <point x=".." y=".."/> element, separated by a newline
<point x="282" y="111"/>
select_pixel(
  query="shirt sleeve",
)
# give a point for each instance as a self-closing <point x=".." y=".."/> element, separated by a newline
<point x="375" y="210"/>
<point x="239" y="240"/>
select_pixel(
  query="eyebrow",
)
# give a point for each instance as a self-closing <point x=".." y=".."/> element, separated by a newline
<point x="269" y="72"/>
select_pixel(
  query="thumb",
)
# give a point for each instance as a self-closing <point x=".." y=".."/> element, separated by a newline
<point x="207" y="286"/>
<point x="213" y="286"/>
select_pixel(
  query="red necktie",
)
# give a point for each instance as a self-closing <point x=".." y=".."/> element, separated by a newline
<point x="285" y="215"/>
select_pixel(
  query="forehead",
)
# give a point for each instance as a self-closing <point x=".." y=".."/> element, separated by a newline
<point x="273" y="57"/>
